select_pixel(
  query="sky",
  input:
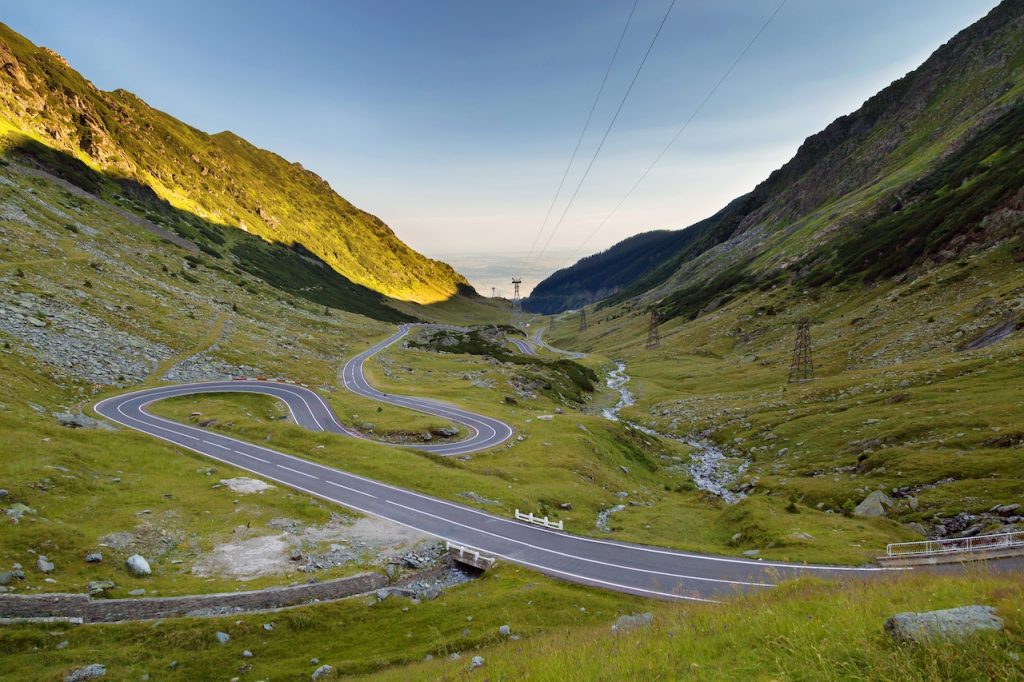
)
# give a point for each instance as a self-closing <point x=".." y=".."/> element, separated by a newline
<point x="454" y="120"/>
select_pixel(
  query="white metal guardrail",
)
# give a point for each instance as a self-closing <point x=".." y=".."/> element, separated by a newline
<point x="979" y="542"/>
<point x="465" y="552"/>
<point x="530" y="518"/>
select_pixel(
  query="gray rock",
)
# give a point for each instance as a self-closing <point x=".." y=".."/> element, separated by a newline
<point x="223" y="637"/>
<point x="426" y="437"/>
<point x="637" y="620"/>
<point x="3" y="493"/>
<point x="322" y="672"/>
<point x="96" y="587"/>
<point x="383" y="594"/>
<point x="752" y="553"/>
<point x="945" y="624"/>
<point x="78" y="420"/>
<point x="246" y="654"/>
<point x="874" y="505"/>
<point x="17" y="510"/>
<point x="504" y="630"/>
<point x="138" y="566"/>
<point x="447" y="431"/>
<point x="89" y="672"/>
<point x="268" y="626"/>
<point x="93" y="557"/>
<point x="137" y="593"/>
<point x="1007" y="509"/>
<point x="43" y="564"/>
<point x="63" y="645"/>
<point x="477" y="662"/>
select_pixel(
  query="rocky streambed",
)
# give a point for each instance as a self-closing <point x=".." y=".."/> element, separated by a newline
<point x="710" y="468"/>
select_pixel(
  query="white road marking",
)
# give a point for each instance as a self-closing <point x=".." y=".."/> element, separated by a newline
<point x="246" y="454"/>
<point x="296" y="471"/>
<point x="350" y="489"/>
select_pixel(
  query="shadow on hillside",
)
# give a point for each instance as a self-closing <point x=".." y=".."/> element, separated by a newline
<point x="290" y="268"/>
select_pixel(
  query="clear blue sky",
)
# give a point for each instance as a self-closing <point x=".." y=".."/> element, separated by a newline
<point x="453" y="121"/>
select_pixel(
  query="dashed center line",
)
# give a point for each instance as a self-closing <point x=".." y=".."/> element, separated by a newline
<point x="296" y="471"/>
<point x="350" y="489"/>
<point x="246" y="454"/>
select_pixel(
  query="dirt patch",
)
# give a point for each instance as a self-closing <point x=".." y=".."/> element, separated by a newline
<point x="245" y="485"/>
<point x="308" y="549"/>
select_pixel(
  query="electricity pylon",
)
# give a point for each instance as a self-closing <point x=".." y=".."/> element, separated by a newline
<point x="802" y="368"/>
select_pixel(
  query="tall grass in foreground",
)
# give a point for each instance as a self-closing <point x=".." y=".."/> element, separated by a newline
<point x="804" y="630"/>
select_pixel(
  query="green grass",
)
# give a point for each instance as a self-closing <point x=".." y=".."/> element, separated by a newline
<point x="357" y="635"/>
<point x="805" y="630"/>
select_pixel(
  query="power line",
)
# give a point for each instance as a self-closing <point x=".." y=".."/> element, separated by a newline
<point x="579" y="140"/>
<point x="682" y="128"/>
<point x="608" y="130"/>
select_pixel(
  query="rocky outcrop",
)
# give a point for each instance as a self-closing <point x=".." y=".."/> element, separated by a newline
<point x="955" y="623"/>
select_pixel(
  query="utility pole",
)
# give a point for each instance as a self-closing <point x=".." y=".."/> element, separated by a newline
<point x="583" y="319"/>
<point x="653" y="338"/>
<point x="493" y="292"/>
<point x="517" y="305"/>
<point x="802" y="368"/>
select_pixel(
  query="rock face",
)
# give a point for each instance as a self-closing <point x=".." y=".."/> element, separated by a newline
<point x="874" y="505"/>
<point x="946" y="624"/>
<point x="138" y="566"/>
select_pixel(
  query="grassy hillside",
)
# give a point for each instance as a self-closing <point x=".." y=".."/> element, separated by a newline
<point x="221" y="179"/>
<point x="880" y="184"/>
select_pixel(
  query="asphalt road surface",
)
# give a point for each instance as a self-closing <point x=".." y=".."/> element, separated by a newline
<point x="648" y="571"/>
<point x="525" y="347"/>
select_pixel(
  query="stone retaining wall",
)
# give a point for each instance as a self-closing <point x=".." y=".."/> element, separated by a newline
<point x="114" y="610"/>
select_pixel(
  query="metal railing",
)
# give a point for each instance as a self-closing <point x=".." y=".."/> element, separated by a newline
<point x="976" y="543"/>
<point x="530" y="518"/>
<point x="464" y="551"/>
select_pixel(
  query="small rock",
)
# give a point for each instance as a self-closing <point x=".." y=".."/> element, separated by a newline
<point x="945" y="624"/>
<point x="43" y="564"/>
<point x="62" y="645"/>
<point x="268" y="626"/>
<point x="322" y="672"/>
<point x="383" y="594"/>
<point x="89" y="672"/>
<point x="477" y="662"/>
<point x="246" y="654"/>
<point x="752" y="552"/>
<point x="96" y="587"/>
<point x="93" y="557"/>
<point x="137" y="593"/>
<point x="455" y="656"/>
<point x="223" y="637"/>
<point x="565" y="506"/>
<point x="624" y="469"/>
<point x="637" y="620"/>
<point x="138" y="566"/>
<point x="504" y="630"/>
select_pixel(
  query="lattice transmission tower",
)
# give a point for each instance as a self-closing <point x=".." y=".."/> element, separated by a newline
<point x="802" y="368"/>
<point x="583" y="319"/>
<point x="517" y="304"/>
<point x="653" y="337"/>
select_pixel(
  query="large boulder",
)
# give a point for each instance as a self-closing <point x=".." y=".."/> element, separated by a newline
<point x="875" y="504"/>
<point x="323" y="672"/>
<point x="138" y="566"/>
<point x="945" y="624"/>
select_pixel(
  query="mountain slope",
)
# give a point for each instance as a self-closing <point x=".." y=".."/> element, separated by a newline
<point x="220" y="178"/>
<point x="853" y="173"/>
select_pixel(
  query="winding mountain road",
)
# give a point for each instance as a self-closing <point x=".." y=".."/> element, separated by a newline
<point x="636" y="569"/>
